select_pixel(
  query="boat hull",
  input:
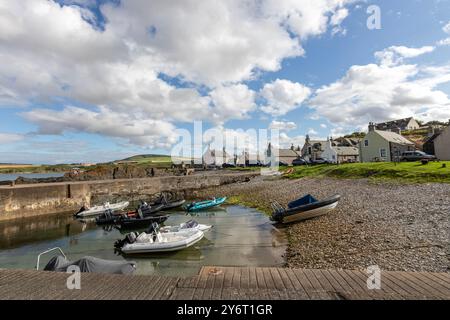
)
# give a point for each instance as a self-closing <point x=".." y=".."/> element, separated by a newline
<point x="98" y="210"/>
<point x="136" y="248"/>
<point x="300" y="216"/>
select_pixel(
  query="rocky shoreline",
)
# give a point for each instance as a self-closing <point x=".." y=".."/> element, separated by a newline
<point x="399" y="227"/>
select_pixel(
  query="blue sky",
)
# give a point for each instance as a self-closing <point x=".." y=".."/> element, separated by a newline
<point x="84" y="95"/>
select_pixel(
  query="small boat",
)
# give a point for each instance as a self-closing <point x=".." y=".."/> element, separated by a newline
<point x="140" y="222"/>
<point x="190" y="225"/>
<point x="197" y="206"/>
<point x="167" y="205"/>
<point x="143" y="210"/>
<point x="155" y="241"/>
<point x="97" y="210"/>
<point x="303" y="208"/>
<point x="60" y="263"/>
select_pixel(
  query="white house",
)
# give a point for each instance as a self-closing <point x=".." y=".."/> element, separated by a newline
<point x="217" y="157"/>
<point x="336" y="153"/>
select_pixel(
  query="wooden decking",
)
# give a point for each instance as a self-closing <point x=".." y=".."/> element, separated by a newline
<point x="234" y="283"/>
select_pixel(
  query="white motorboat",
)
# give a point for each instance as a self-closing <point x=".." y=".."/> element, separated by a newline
<point x="158" y="241"/>
<point x="97" y="210"/>
<point x="190" y="225"/>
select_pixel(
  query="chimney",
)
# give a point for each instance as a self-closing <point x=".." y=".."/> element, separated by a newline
<point x="371" y="126"/>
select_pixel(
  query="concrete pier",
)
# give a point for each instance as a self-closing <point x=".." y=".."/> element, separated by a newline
<point x="29" y="200"/>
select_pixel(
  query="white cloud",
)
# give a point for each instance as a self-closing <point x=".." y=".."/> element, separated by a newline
<point x="378" y="93"/>
<point x="282" y="125"/>
<point x="51" y="53"/>
<point x="283" y="96"/>
<point x="10" y="137"/>
<point x="396" y="54"/>
<point x="323" y="125"/>
<point x="445" y="42"/>
<point x="312" y="132"/>
<point x="234" y="101"/>
<point x="446" y="28"/>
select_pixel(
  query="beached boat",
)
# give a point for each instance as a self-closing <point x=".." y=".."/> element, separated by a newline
<point x="97" y="210"/>
<point x="156" y="241"/>
<point x="190" y="225"/>
<point x="303" y="208"/>
<point x="203" y="205"/>
<point x="60" y="263"/>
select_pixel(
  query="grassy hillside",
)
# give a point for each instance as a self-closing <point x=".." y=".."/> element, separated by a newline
<point x="147" y="158"/>
<point x="402" y="172"/>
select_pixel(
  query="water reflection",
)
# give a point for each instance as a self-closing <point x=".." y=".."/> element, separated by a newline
<point x="240" y="237"/>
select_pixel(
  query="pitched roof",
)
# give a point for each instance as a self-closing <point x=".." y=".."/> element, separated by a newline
<point x="394" y="137"/>
<point x="393" y="123"/>
<point x="347" y="151"/>
<point x="287" y="153"/>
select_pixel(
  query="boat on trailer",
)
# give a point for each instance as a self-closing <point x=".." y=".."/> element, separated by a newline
<point x="306" y="207"/>
<point x="97" y="210"/>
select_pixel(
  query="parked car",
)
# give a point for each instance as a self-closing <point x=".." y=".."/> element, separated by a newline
<point x="299" y="162"/>
<point x="319" y="161"/>
<point x="416" y="156"/>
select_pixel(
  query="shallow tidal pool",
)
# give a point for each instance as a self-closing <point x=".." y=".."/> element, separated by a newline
<point x="240" y="237"/>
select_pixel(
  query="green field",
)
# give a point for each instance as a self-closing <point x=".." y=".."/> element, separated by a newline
<point x="413" y="172"/>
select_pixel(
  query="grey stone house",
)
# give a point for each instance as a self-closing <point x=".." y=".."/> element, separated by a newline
<point x="312" y="149"/>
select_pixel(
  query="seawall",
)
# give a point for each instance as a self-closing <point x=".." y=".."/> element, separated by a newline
<point x="29" y="200"/>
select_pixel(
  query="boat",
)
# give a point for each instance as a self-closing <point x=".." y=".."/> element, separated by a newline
<point x="197" y="206"/>
<point x="155" y="241"/>
<point x="60" y="263"/>
<point x="97" y="210"/>
<point x="189" y="225"/>
<point x="140" y="222"/>
<point x="143" y="210"/>
<point x="303" y="208"/>
<point x="167" y="205"/>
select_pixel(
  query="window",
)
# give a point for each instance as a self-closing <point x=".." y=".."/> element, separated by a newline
<point x="366" y="143"/>
<point x="383" y="153"/>
<point x="309" y="150"/>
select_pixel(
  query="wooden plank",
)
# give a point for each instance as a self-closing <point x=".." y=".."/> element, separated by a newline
<point x="260" y="279"/>
<point x="253" y="282"/>
<point x="277" y="279"/>
<point x="326" y="285"/>
<point x="436" y="281"/>
<point x="236" y="278"/>
<point x="445" y="277"/>
<point x="218" y="286"/>
<point x="268" y="278"/>
<point x="386" y="287"/>
<point x="285" y="278"/>
<point x="399" y="286"/>
<point x="228" y="280"/>
<point x="297" y="286"/>
<point x="421" y="288"/>
<point x="245" y="278"/>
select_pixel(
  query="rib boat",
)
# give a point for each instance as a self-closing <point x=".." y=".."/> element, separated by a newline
<point x="144" y="210"/>
<point x="306" y="207"/>
<point x="203" y="205"/>
<point x="155" y="241"/>
<point x="190" y="225"/>
<point x="97" y="210"/>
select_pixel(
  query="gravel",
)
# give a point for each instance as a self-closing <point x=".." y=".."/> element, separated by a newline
<point x="401" y="227"/>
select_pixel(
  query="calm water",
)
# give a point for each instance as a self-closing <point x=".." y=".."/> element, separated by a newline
<point x="240" y="237"/>
<point x="14" y="176"/>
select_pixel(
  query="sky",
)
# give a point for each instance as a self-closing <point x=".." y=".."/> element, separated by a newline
<point x="99" y="80"/>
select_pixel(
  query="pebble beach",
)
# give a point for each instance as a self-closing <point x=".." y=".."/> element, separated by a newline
<point x="398" y="227"/>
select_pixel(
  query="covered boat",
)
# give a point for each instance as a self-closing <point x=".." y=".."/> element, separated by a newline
<point x="190" y="225"/>
<point x="303" y="208"/>
<point x="140" y="222"/>
<point x="60" y="263"/>
<point x="167" y="205"/>
<point x="155" y="241"/>
<point x="197" y="206"/>
<point x="97" y="210"/>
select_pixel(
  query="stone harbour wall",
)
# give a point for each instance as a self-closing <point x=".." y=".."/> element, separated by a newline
<point x="22" y="201"/>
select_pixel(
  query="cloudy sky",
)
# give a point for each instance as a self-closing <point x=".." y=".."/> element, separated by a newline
<point x="98" y="80"/>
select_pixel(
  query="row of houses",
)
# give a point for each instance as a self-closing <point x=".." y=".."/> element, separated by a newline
<point x="383" y="142"/>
